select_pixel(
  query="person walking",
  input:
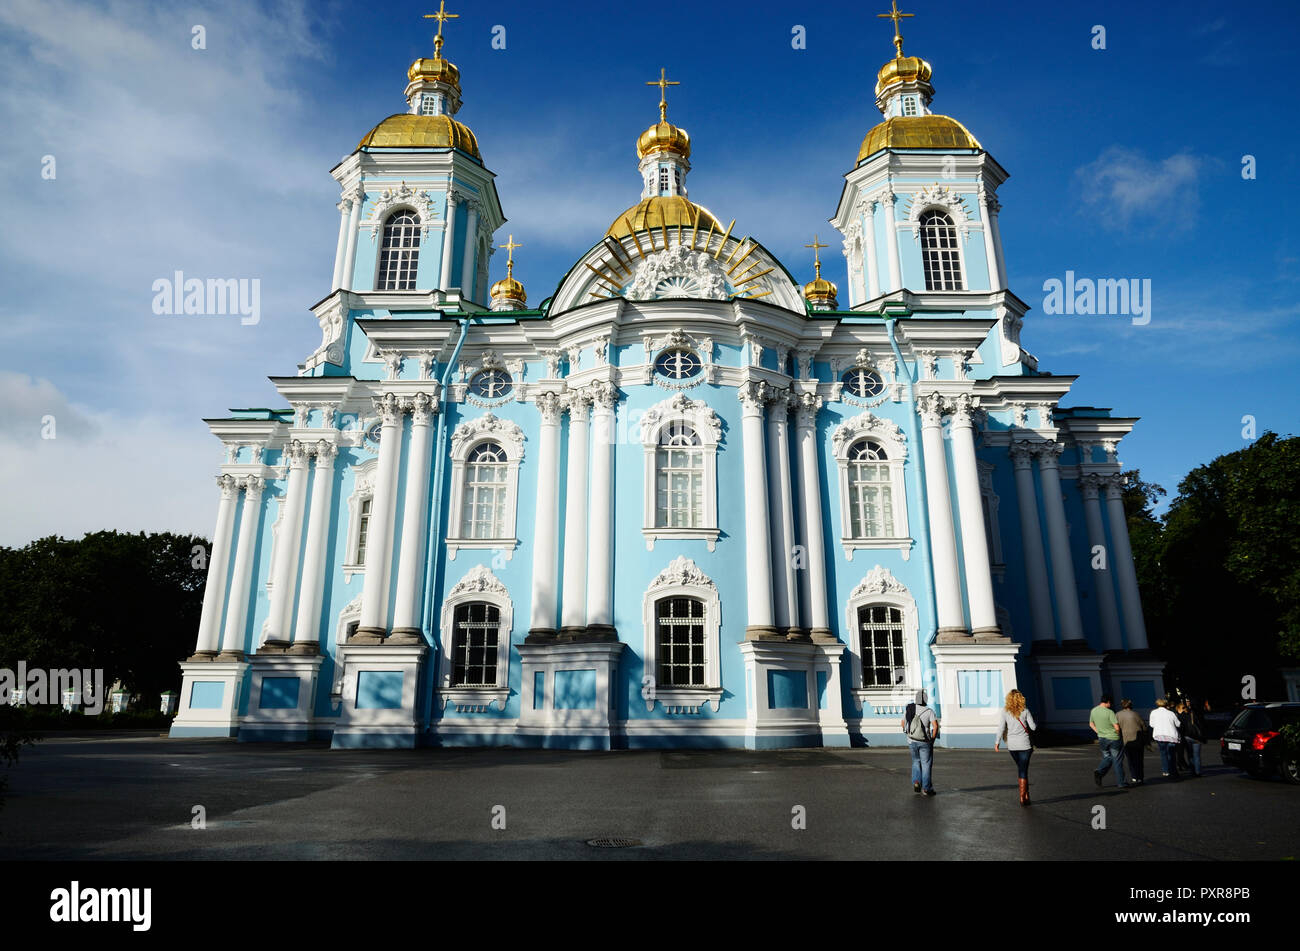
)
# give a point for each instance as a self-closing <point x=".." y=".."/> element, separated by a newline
<point x="1189" y="728"/>
<point x="1014" y="726"/>
<point x="1102" y="720"/>
<point x="1132" y="730"/>
<point x="1164" y="728"/>
<point x="921" y="727"/>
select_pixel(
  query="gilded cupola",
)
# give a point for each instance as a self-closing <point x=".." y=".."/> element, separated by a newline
<point x="507" y="293"/>
<point x="820" y="293"/>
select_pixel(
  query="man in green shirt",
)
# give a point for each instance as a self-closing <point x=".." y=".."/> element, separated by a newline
<point x="1106" y="726"/>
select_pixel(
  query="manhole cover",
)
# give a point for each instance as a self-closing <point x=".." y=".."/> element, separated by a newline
<point x="613" y="842"/>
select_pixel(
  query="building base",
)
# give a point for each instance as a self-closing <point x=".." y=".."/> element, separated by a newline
<point x="1138" y="678"/>
<point x="209" y="700"/>
<point x="974" y="679"/>
<point x="281" y="698"/>
<point x="378" y="703"/>
<point x="567" y="696"/>
<point x="1069" y="685"/>
<point x="782" y="696"/>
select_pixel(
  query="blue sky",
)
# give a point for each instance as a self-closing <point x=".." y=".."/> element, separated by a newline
<point x="1125" y="163"/>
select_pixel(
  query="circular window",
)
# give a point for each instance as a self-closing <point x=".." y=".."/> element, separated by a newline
<point x="372" y="434"/>
<point x="491" y="384"/>
<point x="863" y="383"/>
<point x="677" y="364"/>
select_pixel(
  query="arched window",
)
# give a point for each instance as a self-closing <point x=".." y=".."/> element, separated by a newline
<point x="940" y="252"/>
<point x="880" y="633"/>
<point x="871" y="494"/>
<point x="679" y="642"/>
<point x="679" y="478"/>
<point x="399" y="255"/>
<point x="486" y="480"/>
<point x="884" y="644"/>
<point x="476" y="628"/>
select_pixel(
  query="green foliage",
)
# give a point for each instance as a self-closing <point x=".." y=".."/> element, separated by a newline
<point x="1220" y="573"/>
<point x="126" y="603"/>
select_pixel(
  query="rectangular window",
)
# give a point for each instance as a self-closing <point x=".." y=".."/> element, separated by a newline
<point x="474" y="645"/>
<point x="663" y="181"/>
<point x="363" y="529"/>
<point x="909" y="105"/>
<point x="680" y="642"/>
<point x="883" y="664"/>
<point x="428" y="106"/>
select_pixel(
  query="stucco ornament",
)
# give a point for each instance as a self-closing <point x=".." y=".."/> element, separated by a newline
<point x="682" y="571"/>
<point x="678" y="272"/>
<point x="697" y="412"/>
<point x="478" y="580"/>
<point x="488" y="425"/>
<point x="879" y="580"/>
<point x="943" y="198"/>
<point x="406" y="197"/>
<point x="868" y="424"/>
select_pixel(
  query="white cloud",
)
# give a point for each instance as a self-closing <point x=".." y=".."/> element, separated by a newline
<point x="1124" y="189"/>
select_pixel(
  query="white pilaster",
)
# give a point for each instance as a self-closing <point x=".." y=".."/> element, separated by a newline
<point x="974" y="541"/>
<point x="758" y="538"/>
<point x="1031" y="533"/>
<point x="1111" y="637"/>
<point x="1058" y="543"/>
<point x="214" y="592"/>
<point x="873" y="264"/>
<point x="306" y="634"/>
<point x="891" y="241"/>
<point x="573" y="618"/>
<point x="373" y="626"/>
<point x="1130" y="598"/>
<point x="354" y="227"/>
<point x="943" y="538"/>
<point x="415" y="518"/>
<point x="285" y="571"/>
<point x="997" y="242"/>
<point x="448" y="236"/>
<point x="988" y="206"/>
<point x="467" y="260"/>
<point x="818" y="615"/>
<point x="546" y="550"/>
<point x="785" y="587"/>
<point x="345" y="215"/>
<point x="600" y="605"/>
<point x="241" y="582"/>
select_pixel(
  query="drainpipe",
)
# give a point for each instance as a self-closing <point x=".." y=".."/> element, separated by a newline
<point x="924" y="541"/>
<point x="435" y="521"/>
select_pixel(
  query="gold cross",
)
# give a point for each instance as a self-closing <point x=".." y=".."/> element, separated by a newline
<point x="663" y="82"/>
<point x="510" y="246"/>
<point x="442" y="16"/>
<point x="896" y="16"/>
<point x="817" y="261"/>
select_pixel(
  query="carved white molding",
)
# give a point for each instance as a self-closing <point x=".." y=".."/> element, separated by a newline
<point x="478" y="580"/>
<point x="696" y="412"/>
<point x="868" y="425"/>
<point x="678" y="272"/>
<point x="487" y="425"/>
<point x="683" y="578"/>
<point x="682" y="571"/>
<point x="403" y="196"/>
<point x="943" y="198"/>
<point x="879" y="580"/>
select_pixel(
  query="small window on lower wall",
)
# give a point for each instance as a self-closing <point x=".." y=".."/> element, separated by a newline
<point x="682" y="657"/>
<point x="884" y="651"/>
<point x="477" y="627"/>
<point x="474" y="663"/>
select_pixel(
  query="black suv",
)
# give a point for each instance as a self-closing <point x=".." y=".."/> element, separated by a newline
<point x="1253" y="741"/>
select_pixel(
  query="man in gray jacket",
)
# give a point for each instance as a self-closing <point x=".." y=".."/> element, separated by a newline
<point x="921" y="727"/>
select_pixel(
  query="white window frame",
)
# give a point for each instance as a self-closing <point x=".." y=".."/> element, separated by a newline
<point x="363" y="487"/>
<point x="478" y="584"/>
<point x="464" y="439"/>
<point x="891" y="439"/>
<point x="699" y="416"/>
<point x="956" y="222"/>
<point x="682" y="579"/>
<point x="879" y="586"/>
<point x="420" y="221"/>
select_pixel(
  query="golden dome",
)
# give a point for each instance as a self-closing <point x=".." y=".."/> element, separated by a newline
<point x="405" y="131"/>
<point x="820" y="291"/>
<point x="662" y="210"/>
<point x="917" y="132"/>
<point x="903" y="69"/>
<point x="435" y="70"/>
<point x="510" y="289"/>
<point x="663" y="136"/>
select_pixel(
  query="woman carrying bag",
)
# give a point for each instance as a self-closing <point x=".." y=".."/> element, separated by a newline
<point x="1014" y="726"/>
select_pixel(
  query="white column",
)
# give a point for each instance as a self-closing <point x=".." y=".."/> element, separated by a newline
<point x="1058" y="543"/>
<point x="810" y="492"/>
<point x="785" y="587"/>
<point x="987" y="202"/>
<point x="1122" y="558"/>
<point x="285" y="570"/>
<point x="758" y="538"/>
<point x="600" y="559"/>
<point x="546" y="543"/>
<point x="1031" y="534"/>
<point x="994" y="207"/>
<point x="306" y="632"/>
<point x="891" y="242"/>
<point x="943" y="539"/>
<point x="1111" y="637"/>
<point x="354" y="226"/>
<point x="448" y="235"/>
<point x="214" y="592"/>
<point x="345" y="215"/>
<point x="850" y="268"/>
<point x="974" y="540"/>
<point x="467" y="260"/>
<point x="873" y="263"/>
<point x="232" y="641"/>
<point x="573" y="618"/>
<point x="415" y="519"/>
<point x="379" y="541"/>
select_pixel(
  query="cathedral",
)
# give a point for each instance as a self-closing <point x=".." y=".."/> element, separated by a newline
<point x="680" y="501"/>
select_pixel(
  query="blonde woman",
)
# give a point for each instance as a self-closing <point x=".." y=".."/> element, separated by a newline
<point x="1013" y="726"/>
